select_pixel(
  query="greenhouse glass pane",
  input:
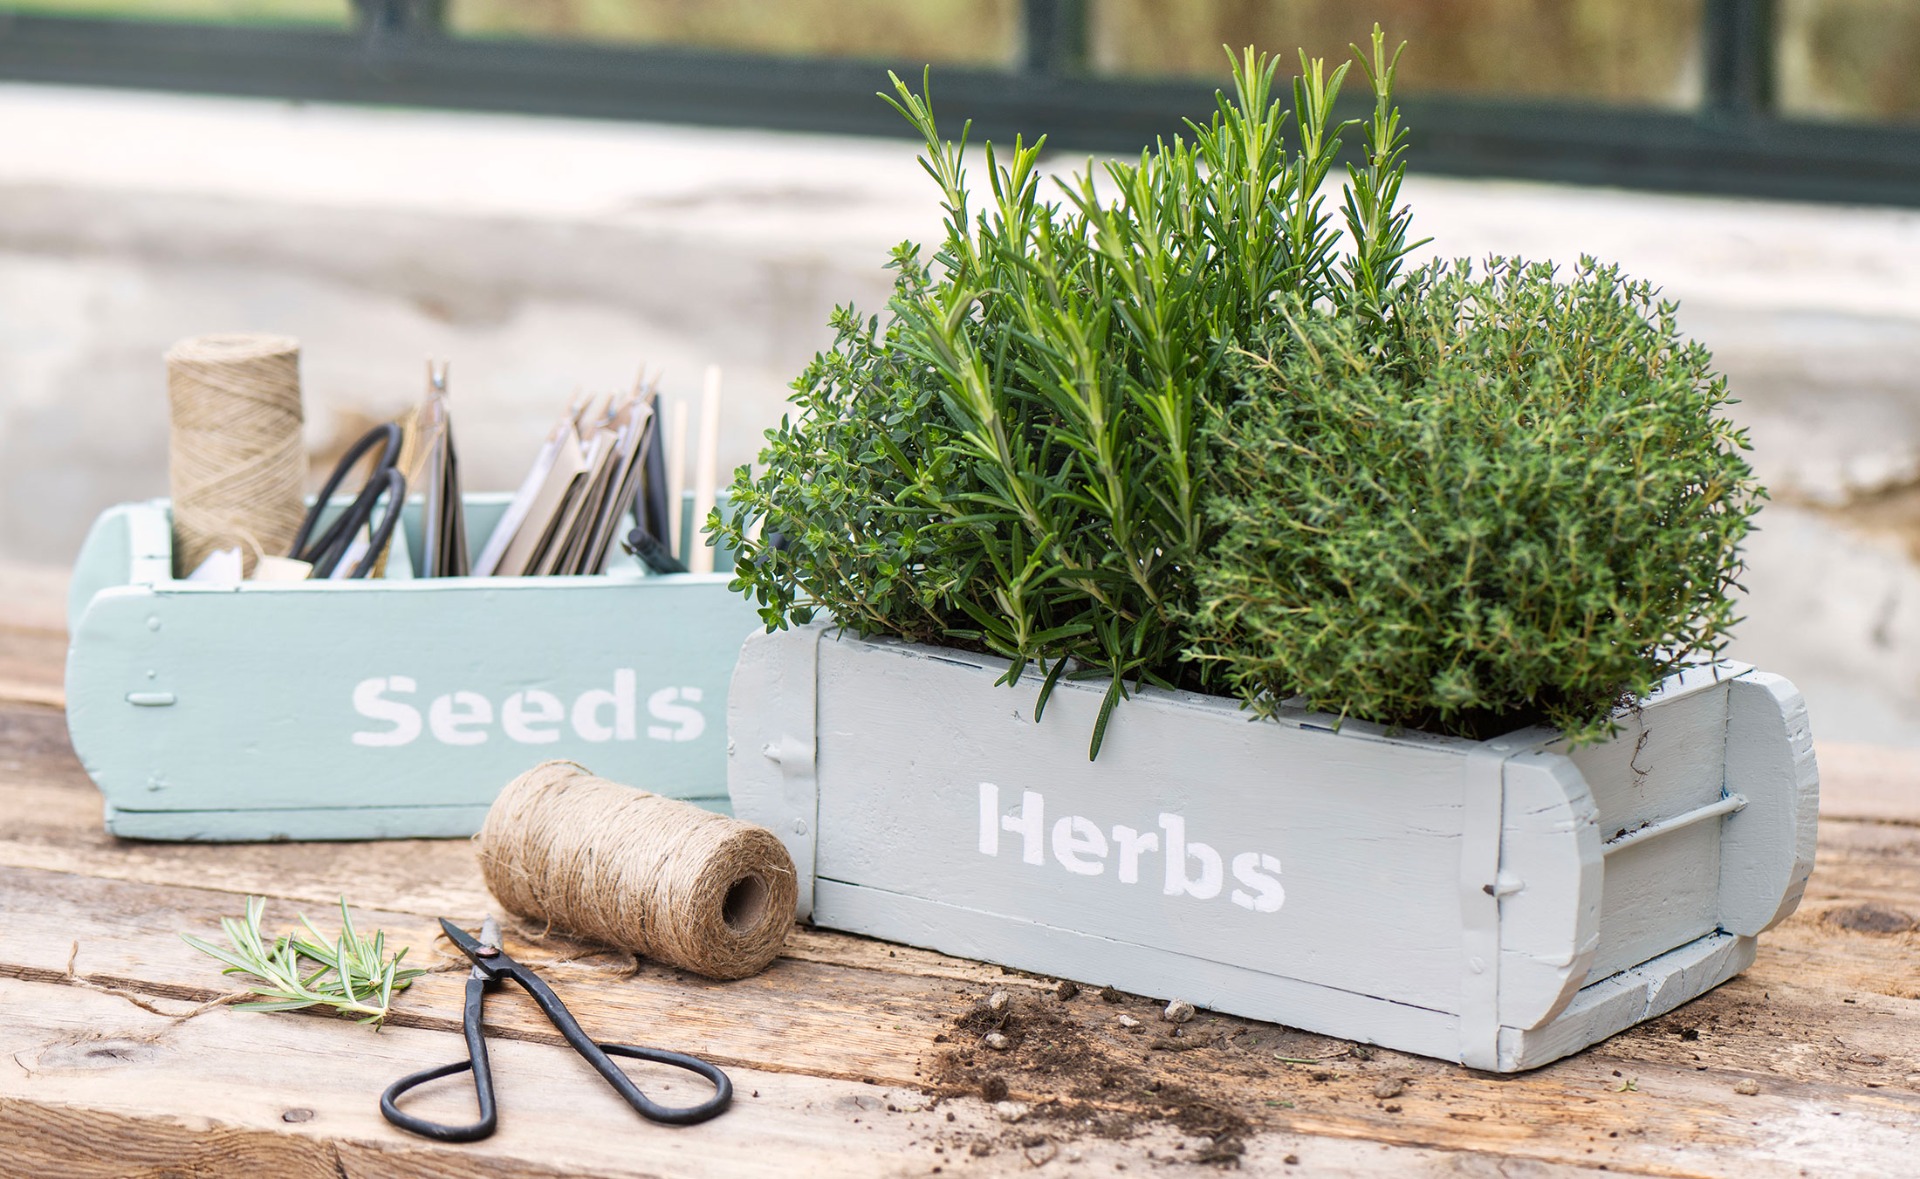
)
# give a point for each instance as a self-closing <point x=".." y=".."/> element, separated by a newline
<point x="1625" y="52"/>
<point x="969" y="32"/>
<point x="1849" y="59"/>
<point x="334" y="13"/>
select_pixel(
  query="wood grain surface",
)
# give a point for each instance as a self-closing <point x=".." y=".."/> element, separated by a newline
<point x="853" y="1057"/>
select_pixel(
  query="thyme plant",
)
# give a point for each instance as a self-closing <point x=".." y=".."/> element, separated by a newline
<point x="1014" y="459"/>
<point x="1512" y="499"/>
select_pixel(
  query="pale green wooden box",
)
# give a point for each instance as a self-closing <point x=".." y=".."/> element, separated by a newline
<point x="382" y="709"/>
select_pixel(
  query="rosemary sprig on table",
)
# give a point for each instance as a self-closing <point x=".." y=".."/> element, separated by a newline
<point x="353" y="975"/>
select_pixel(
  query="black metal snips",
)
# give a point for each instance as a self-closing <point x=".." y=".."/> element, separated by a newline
<point x="490" y="966"/>
<point x="385" y="481"/>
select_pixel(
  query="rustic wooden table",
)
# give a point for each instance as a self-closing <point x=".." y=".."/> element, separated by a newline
<point x="853" y="1057"/>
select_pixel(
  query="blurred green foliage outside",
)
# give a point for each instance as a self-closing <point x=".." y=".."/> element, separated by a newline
<point x="1834" y="59"/>
<point x="1638" y="52"/>
<point x="239" y="12"/>
<point x="971" y="32"/>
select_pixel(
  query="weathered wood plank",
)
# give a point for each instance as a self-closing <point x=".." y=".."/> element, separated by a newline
<point x="1871" y="782"/>
<point x="54" y="825"/>
<point x="33" y="596"/>
<point x="212" y="1098"/>
<point x="1839" y="1079"/>
<point x="53" y="822"/>
<point x="796" y="1017"/>
<point x="837" y="1022"/>
<point x="33" y="663"/>
<point x="97" y="1087"/>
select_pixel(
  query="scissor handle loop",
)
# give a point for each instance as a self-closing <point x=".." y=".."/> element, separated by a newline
<point x="395" y="485"/>
<point x="325" y="552"/>
<point x="596" y="1055"/>
<point x="494" y="968"/>
<point x="436" y="1130"/>
<point x="482" y="1080"/>
<point x="673" y="1115"/>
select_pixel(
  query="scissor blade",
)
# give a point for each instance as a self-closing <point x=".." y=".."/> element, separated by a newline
<point x="470" y="946"/>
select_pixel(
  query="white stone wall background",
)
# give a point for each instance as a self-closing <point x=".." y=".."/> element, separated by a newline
<point x="543" y="257"/>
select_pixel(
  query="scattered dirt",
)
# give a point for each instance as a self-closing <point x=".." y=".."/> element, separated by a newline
<point x="1870" y="918"/>
<point x="1082" y="1073"/>
<point x="1202" y="1092"/>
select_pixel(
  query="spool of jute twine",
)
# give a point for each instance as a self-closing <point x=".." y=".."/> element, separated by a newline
<point x="237" y="466"/>
<point x="653" y="875"/>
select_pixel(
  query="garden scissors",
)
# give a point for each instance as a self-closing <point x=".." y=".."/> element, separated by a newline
<point x="326" y="551"/>
<point x="490" y="965"/>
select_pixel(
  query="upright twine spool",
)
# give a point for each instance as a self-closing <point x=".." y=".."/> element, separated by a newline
<point x="654" y="875"/>
<point x="235" y="456"/>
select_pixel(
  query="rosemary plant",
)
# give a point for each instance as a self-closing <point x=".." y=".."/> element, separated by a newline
<point x="1014" y="461"/>
<point x="353" y="975"/>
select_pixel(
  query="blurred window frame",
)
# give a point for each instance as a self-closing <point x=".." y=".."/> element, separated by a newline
<point x="398" y="52"/>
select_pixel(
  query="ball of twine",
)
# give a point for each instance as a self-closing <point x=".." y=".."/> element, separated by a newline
<point x="237" y="466"/>
<point x="654" y="875"/>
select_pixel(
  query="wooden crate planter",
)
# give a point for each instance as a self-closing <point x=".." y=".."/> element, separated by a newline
<point x="1499" y="903"/>
<point x="381" y="709"/>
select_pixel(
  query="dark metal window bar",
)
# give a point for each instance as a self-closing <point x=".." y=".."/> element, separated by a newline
<point x="1737" y="142"/>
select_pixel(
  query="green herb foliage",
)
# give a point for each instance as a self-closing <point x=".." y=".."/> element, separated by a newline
<point x="1014" y="461"/>
<point x="1514" y="499"/>
<point x="353" y="975"/>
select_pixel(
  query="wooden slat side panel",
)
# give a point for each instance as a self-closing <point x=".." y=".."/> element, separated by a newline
<point x="1768" y="848"/>
<point x="1622" y="1000"/>
<point x="1550" y="857"/>
<point x="1098" y="961"/>
<point x="121" y="539"/>
<point x="771" y="724"/>
<point x="202" y="700"/>
<point x="1297" y="852"/>
<point x="1657" y="895"/>
<point x="1667" y="759"/>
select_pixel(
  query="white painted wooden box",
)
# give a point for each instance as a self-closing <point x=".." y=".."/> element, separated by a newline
<point x="1500" y="903"/>
<point x="381" y="709"/>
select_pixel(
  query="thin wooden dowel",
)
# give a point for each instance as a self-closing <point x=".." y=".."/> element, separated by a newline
<point x="706" y="471"/>
<point x="676" y="475"/>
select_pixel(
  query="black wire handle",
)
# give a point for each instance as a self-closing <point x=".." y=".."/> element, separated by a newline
<point x="597" y="1056"/>
<point x="325" y="553"/>
<point x="482" y="1079"/>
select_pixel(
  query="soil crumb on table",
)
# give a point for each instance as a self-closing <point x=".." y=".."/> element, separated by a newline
<point x="1074" y="1069"/>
